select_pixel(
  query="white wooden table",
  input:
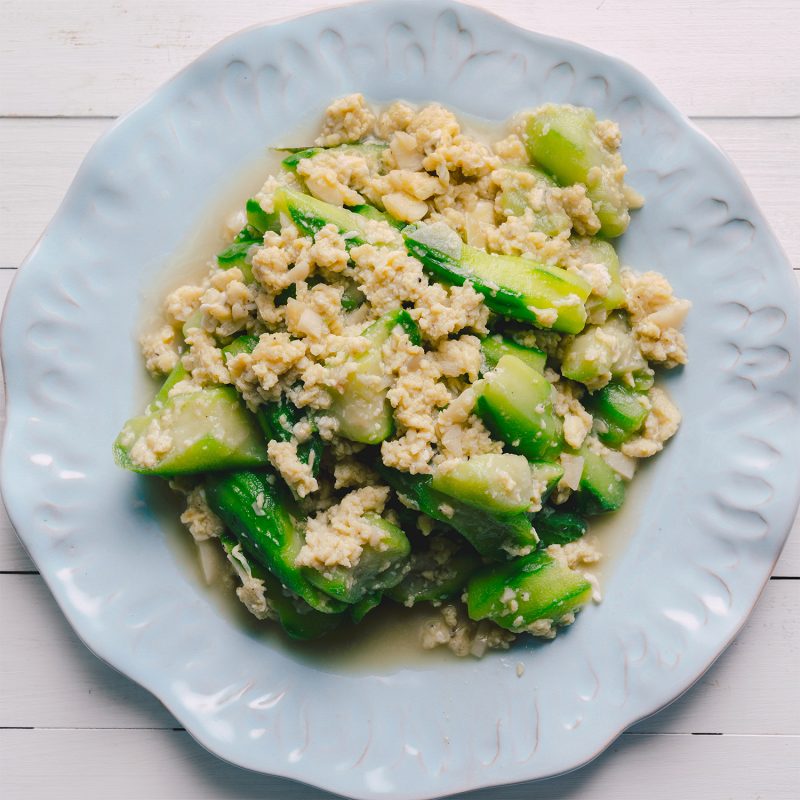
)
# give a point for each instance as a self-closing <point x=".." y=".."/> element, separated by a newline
<point x="71" y="725"/>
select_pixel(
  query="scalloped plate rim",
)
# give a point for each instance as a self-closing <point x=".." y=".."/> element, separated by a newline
<point x="6" y="492"/>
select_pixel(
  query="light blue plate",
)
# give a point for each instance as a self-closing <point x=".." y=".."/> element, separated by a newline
<point x="723" y="493"/>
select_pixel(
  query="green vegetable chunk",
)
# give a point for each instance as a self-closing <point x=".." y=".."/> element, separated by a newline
<point x="352" y="297"/>
<point x="362" y="408"/>
<point x="438" y="570"/>
<point x="370" y="212"/>
<point x="202" y="430"/>
<point x="596" y="251"/>
<point x="519" y="288"/>
<point x="360" y="609"/>
<point x="601" y="488"/>
<point x="548" y="474"/>
<point x="258" y="223"/>
<point x="256" y="507"/>
<point x="517" y="594"/>
<point x="604" y="352"/>
<point x="278" y="418"/>
<point x="500" y="483"/>
<point x="295" y="616"/>
<point x="558" y="527"/>
<point x="493" y="535"/>
<point x="178" y="374"/>
<point x="515" y="403"/>
<point x="379" y="567"/>
<point x="311" y="215"/>
<point x="261" y="221"/>
<point x="515" y="198"/>
<point x="563" y="140"/>
<point x="619" y="412"/>
<point x="493" y="348"/>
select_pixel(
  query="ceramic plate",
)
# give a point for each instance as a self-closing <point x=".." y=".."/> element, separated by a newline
<point x="721" y="497"/>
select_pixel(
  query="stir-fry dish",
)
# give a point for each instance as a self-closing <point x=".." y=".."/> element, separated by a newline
<point x="415" y="373"/>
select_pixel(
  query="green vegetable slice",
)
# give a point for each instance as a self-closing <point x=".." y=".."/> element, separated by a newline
<point x="558" y="527"/>
<point x="619" y="412"/>
<point x="311" y="215"/>
<point x="256" y="507"/>
<point x="519" y="288"/>
<point x="601" y="488"/>
<point x="493" y="535"/>
<point x="207" y="429"/>
<point x="563" y="140"/>
<point x="438" y="570"/>
<point x="498" y="483"/>
<point x="277" y="418"/>
<point x="517" y="594"/>
<point x="378" y="568"/>
<point x="494" y="347"/>
<point x="515" y="402"/>
<point x="604" y="352"/>
<point x="362" y="408"/>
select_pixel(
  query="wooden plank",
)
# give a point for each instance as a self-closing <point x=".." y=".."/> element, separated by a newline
<point x="130" y="765"/>
<point x="41" y="157"/>
<point x="100" y="58"/>
<point x="51" y="680"/>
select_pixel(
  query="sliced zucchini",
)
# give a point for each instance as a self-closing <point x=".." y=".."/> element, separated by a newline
<point x="493" y="535"/>
<point x="378" y="568"/>
<point x="619" y="412"/>
<point x="311" y="215"/>
<point x="519" y="288"/>
<point x="517" y="594"/>
<point x="548" y="474"/>
<point x="603" y="352"/>
<point x="515" y="198"/>
<point x="599" y="252"/>
<point x="360" y="609"/>
<point x="515" y="402"/>
<point x="558" y="527"/>
<point x="601" y="488"/>
<point x="278" y="417"/>
<point x="258" y="223"/>
<point x="178" y="374"/>
<point x="562" y="140"/>
<point x="370" y="212"/>
<point x="493" y="348"/>
<point x="257" y="508"/>
<point x="362" y="408"/>
<point x="438" y="570"/>
<point x="352" y="297"/>
<point x="207" y="429"/>
<point x="500" y="483"/>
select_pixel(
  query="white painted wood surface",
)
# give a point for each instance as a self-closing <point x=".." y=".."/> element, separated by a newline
<point x="71" y="725"/>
